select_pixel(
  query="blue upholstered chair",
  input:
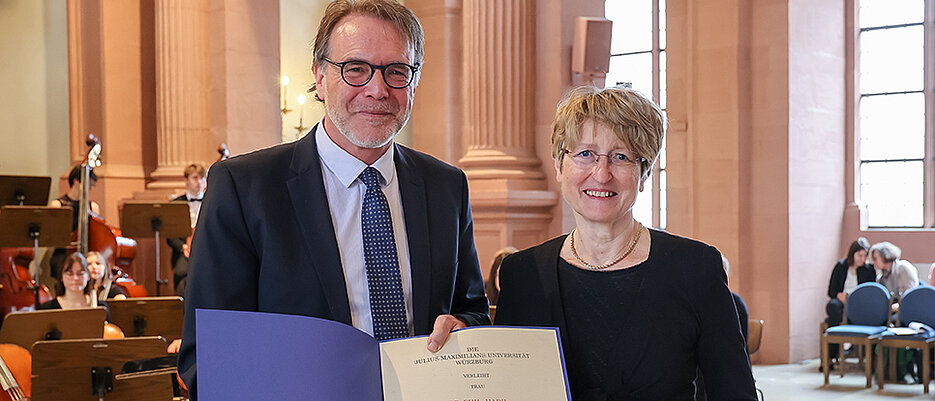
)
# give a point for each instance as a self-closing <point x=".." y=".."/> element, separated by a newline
<point x="916" y="305"/>
<point x="866" y="318"/>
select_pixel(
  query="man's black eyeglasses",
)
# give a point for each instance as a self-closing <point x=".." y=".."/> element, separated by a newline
<point x="359" y="73"/>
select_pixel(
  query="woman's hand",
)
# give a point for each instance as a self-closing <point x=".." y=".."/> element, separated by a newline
<point x="842" y="297"/>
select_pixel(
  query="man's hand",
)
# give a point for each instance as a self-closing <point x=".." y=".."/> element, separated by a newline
<point x="444" y="324"/>
<point x="842" y="297"/>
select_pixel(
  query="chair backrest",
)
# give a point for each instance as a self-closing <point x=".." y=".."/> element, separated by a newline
<point x="918" y="305"/>
<point x="755" y="334"/>
<point x="868" y="305"/>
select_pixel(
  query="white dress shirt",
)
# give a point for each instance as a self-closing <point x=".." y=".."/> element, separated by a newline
<point x="345" y="192"/>
<point x="194" y="207"/>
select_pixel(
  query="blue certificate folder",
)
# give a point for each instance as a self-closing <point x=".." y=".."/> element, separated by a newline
<point x="267" y="356"/>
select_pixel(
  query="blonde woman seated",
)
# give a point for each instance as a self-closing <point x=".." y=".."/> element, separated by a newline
<point x="639" y="310"/>
<point x="102" y="278"/>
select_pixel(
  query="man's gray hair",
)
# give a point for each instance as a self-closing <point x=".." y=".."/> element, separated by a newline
<point x="887" y="251"/>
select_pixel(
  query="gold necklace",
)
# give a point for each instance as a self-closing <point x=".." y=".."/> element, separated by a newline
<point x="574" y="251"/>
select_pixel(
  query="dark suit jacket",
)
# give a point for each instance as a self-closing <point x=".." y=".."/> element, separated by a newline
<point x="684" y="317"/>
<point x="266" y="242"/>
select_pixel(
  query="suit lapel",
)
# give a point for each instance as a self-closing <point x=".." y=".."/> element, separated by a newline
<point x="310" y="203"/>
<point x="412" y="193"/>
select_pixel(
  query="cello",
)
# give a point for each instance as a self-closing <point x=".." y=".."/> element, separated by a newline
<point x="16" y="286"/>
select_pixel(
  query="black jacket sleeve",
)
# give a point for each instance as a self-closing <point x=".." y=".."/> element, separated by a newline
<point x="838" y="275"/>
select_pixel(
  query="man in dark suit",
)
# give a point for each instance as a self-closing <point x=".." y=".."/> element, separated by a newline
<point x="343" y="224"/>
<point x="194" y="192"/>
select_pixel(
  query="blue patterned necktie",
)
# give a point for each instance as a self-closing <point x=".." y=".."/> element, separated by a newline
<point x="386" y="289"/>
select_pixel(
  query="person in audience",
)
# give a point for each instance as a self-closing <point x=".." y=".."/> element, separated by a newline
<point x="638" y="310"/>
<point x="846" y="275"/>
<point x="932" y="275"/>
<point x="743" y="316"/>
<point x="898" y="275"/>
<point x="102" y="278"/>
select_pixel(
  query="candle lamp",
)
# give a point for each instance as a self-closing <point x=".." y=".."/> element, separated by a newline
<point x="301" y="99"/>
<point x="284" y="81"/>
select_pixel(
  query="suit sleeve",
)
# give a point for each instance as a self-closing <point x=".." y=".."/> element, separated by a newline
<point x="224" y="266"/>
<point x="722" y="352"/>
<point x="469" y="302"/>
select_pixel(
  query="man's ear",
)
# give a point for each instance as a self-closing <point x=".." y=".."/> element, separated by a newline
<point x="319" y="72"/>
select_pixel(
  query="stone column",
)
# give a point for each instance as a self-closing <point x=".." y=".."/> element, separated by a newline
<point x="509" y="195"/>
<point x="183" y="126"/>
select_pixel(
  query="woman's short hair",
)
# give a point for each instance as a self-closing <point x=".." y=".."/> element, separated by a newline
<point x="391" y="11"/>
<point x="70" y="261"/>
<point x="636" y="121"/>
<point x="861" y="244"/>
<point x="887" y="251"/>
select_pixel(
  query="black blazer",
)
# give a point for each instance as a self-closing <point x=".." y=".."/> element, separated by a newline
<point x="684" y="318"/>
<point x="265" y="242"/>
<point x="865" y="274"/>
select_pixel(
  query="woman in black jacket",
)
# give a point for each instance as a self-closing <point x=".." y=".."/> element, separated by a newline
<point x="640" y="311"/>
<point x="848" y="273"/>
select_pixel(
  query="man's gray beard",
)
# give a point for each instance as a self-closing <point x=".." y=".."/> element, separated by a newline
<point x="341" y="124"/>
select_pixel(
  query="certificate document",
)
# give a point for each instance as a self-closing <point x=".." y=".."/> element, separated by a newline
<point x="252" y="355"/>
<point x="480" y="363"/>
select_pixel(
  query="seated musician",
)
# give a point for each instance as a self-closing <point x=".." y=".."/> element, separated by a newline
<point x="73" y="286"/>
<point x="73" y="196"/>
<point x="194" y="191"/>
<point x="71" y="199"/>
<point x="102" y="278"/>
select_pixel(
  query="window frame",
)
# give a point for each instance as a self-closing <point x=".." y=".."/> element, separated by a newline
<point x="928" y="92"/>
<point x="659" y="221"/>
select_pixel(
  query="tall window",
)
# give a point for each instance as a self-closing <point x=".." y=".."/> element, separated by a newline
<point x="638" y="58"/>
<point x="895" y="81"/>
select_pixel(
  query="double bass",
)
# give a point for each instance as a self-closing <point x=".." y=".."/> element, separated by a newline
<point x="94" y="234"/>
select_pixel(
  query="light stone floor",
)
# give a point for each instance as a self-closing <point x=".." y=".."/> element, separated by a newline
<point x="803" y="382"/>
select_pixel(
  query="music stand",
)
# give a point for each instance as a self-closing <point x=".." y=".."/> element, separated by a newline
<point x="148" y="316"/>
<point x="23" y="224"/>
<point x="25" y="328"/>
<point x="24" y="190"/>
<point x="147" y="219"/>
<point x="89" y="369"/>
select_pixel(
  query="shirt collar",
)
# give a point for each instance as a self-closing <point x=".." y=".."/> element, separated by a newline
<point x="347" y="167"/>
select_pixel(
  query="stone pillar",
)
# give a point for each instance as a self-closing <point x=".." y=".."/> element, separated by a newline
<point x="183" y="125"/>
<point x="509" y="195"/>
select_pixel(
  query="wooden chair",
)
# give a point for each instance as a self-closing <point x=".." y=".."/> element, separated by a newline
<point x="866" y="318"/>
<point x="754" y="335"/>
<point x="916" y="305"/>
